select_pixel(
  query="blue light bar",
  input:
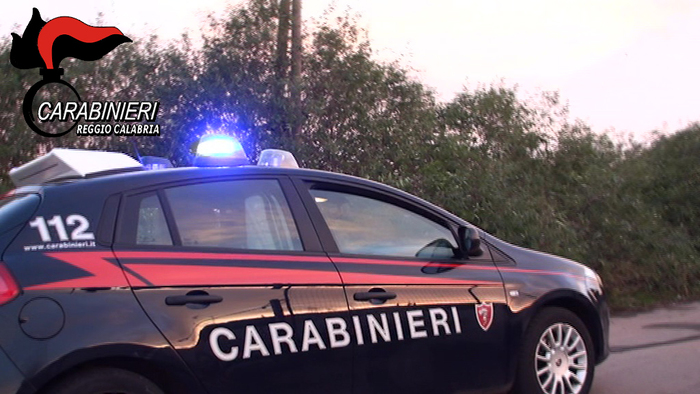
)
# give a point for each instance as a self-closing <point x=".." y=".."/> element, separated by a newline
<point x="217" y="150"/>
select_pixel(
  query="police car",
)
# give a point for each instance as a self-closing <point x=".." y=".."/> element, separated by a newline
<point x="232" y="278"/>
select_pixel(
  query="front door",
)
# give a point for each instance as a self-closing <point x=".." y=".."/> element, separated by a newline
<point x="238" y="285"/>
<point x="430" y="322"/>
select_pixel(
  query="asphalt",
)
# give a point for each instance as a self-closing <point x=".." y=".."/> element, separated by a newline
<point x="655" y="352"/>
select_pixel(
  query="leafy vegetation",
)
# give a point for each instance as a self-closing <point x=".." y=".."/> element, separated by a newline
<point x="518" y="169"/>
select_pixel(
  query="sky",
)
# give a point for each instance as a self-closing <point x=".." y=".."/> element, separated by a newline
<point x="625" y="67"/>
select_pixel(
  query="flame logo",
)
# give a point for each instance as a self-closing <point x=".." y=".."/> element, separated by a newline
<point x="46" y="44"/>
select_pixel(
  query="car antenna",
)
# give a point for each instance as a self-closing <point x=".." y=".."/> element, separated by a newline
<point x="136" y="151"/>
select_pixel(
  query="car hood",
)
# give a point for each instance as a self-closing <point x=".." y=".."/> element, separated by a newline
<point x="532" y="259"/>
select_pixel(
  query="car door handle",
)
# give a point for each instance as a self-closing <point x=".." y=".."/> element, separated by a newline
<point x="374" y="296"/>
<point x="192" y="299"/>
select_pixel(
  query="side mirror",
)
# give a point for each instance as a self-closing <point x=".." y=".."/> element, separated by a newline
<point x="469" y="242"/>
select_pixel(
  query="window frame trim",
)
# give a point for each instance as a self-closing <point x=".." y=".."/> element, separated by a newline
<point x="169" y="218"/>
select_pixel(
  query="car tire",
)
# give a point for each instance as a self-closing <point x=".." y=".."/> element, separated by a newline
<point x="105" y="381"/>
<point x="557" y="356"/>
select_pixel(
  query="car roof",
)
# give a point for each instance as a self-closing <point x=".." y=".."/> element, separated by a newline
<point x="133" y="181"/>
<point x="147" y="178"/>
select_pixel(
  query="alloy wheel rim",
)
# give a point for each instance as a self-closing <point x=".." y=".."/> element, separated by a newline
<point x="561" y="360"/>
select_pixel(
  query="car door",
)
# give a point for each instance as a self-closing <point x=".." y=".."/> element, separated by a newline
<point x="233" y="275"/>
<point x="426" y="321"/>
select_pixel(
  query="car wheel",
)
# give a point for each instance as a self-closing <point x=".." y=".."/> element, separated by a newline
<point x="557" y="355"/>
<point x="105" y="381"/>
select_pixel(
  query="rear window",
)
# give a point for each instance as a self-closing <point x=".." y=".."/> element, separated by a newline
<point x="16" y="210"/>
<point x="239" y="214"/>
<point x="151" y="228"/>
<point x="145" y="212"/>
<point x="246" y="214"/>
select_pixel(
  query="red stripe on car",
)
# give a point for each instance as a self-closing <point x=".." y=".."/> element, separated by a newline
<point x="102" y="272"/>
<point x="208" y="275"/>
<point x="216" y="256"/>
<point x="357" y="278"/>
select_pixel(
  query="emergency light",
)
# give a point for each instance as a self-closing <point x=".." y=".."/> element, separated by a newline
<point x="217" y="150"/>
<point x="155" y="162"/>
<point x="277" y="158"/>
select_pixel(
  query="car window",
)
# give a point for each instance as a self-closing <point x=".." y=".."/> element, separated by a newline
<point x="241" y="214"/>
<point x="152" y="229"/>
<point x="362" y="225"/>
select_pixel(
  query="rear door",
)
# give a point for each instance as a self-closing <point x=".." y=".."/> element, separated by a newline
<point x="429" y="322"/>
<point x="233" y="274"/>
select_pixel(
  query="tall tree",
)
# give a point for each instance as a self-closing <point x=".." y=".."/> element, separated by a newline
<point x="297" y="118"/>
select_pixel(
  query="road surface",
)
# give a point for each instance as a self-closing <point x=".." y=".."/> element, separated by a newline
<point x="654" y="352"/>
